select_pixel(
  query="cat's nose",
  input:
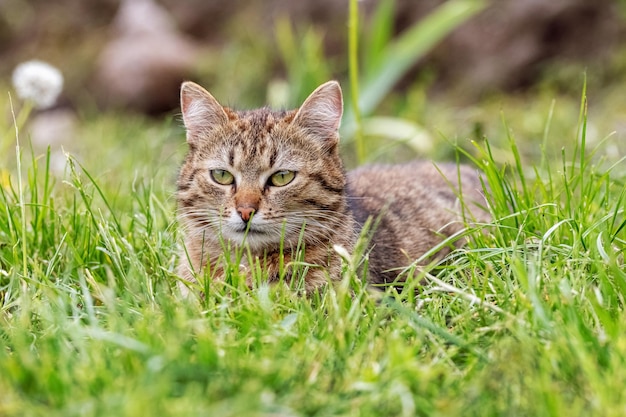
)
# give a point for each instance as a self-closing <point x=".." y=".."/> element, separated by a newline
<point x="247" y="203"/>
<point x="246" y="212"/>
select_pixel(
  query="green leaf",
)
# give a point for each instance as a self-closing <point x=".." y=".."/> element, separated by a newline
<point x="405" y="51"/>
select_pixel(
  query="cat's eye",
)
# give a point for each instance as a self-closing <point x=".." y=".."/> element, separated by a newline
<point x="282" y="178"/>
<point x="222" y="177"/>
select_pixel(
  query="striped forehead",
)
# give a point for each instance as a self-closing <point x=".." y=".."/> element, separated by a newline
<point x="253" y="143"/>
<point x="260" y="150"/>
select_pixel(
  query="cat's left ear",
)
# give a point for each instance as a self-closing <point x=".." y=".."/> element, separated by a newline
<point x="201" y="111"/>
<point x="321" y="112"/>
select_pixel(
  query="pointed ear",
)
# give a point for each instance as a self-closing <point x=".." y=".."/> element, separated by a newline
<point x="201" y="112"/>
<point x="320" y="114"/>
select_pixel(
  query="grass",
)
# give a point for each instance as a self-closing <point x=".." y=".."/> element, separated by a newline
<point x="526" y="320"/>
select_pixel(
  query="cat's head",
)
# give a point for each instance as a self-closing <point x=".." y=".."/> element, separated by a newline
<point x="258" y="176"/>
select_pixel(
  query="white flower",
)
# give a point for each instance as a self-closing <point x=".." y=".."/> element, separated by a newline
<point x="38" y="82"/>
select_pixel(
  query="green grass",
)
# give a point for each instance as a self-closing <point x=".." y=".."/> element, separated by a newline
<point x="526" y="320"/>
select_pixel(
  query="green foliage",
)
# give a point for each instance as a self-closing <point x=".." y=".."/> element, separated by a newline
<point x="388" y="59"/>
<point x="527" y="319"/>
<point x="303" y="55"/>
<point x="382" y="59"/>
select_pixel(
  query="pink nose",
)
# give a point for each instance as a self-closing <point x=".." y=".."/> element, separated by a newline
<point x="245" y="212"/>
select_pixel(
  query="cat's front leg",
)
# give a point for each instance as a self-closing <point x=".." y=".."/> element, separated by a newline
<point x="317" y="267"/>
<point x="186" y="278"/>
<point x="195" y="266"/>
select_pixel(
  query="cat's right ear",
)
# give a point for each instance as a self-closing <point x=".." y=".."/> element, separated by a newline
<point x="321" y="112"/>
<point x="201" y="111"/>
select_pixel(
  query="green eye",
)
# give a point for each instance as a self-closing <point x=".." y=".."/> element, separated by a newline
<point x="282" y="178"/>
<point x="222" y="177"/>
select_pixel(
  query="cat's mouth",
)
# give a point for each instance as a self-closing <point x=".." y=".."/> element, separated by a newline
<point x="257" y="238"/>
<point x="251" y="230"/>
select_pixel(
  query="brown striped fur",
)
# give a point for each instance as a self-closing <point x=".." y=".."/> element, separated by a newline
<point x="416" y="203"/>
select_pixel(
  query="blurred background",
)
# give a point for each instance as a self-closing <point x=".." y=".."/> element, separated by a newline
<point x="434" y="72"/>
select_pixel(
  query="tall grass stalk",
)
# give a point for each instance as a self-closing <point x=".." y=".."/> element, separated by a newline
<point x="353" y="69"/>
<point x="389" y="59"/>
<point x="582" y="133"/>
<point x="20" y="191"/>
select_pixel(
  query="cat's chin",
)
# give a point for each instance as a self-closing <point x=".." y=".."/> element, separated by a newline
<point x="256" y="240"/>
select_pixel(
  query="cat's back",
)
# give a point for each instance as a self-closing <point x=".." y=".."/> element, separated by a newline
<point x="415" y="204"/>
<point x="417" y="185"/>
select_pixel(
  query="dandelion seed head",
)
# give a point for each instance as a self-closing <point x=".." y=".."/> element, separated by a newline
<point x="39" y="82"/>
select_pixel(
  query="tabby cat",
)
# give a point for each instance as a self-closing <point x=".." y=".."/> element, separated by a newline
<point x="268" y="180"/>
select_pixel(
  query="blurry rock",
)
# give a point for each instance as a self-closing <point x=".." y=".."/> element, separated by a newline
<point x="508" y="45"/>
<point x="504" y="47"/>
<point x="55" y="127"/>
<point x="142" y="66"/>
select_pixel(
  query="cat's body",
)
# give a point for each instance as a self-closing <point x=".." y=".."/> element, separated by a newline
<point x="269" y="180"/>
<point x="413" y="207"/>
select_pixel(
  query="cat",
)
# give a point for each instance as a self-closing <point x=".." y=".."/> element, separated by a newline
<point x="265" y="180"/>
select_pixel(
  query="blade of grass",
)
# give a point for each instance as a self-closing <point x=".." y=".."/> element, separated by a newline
<point x="353" y="68"/>
<point x="20" y="191"/>
<point x="411" y="46"/>
<point x="379" y="34"/>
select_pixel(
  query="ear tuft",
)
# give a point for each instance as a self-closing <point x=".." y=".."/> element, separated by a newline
<point x="321" y="112"/>
<point x="201" y="111"/>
